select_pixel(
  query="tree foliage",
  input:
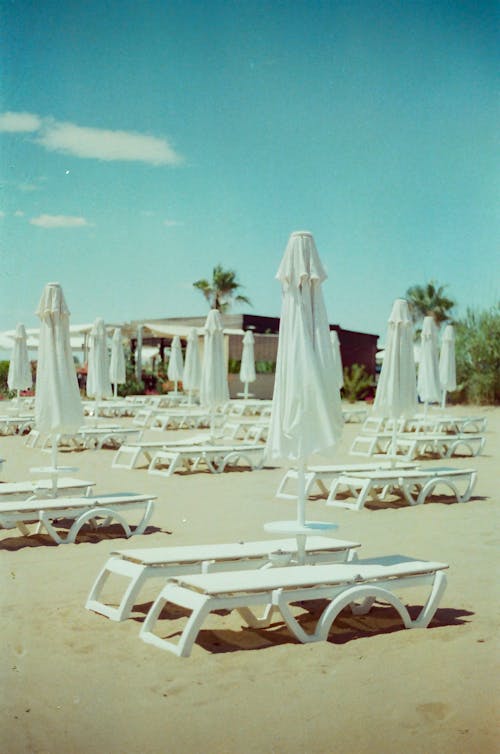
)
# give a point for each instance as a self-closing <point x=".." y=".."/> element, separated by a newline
<point x="358" y="384"/>
<point x="221" y="291"/>
<point x="477" y="350"/>
<point x="429" y="300"/>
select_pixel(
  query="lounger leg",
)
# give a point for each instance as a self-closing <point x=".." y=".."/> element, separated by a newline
<point x="251" y="620"/>
<point x="148" y="512"/>
<point x="137" y="574"/>
<point x="200" y="605"/>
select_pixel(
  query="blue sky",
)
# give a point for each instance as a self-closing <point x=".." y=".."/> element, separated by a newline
<point x="141" y="143"/>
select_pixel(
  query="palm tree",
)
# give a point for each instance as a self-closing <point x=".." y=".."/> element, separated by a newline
<point x="220" y="291"/>
<point x="429" y="300"/>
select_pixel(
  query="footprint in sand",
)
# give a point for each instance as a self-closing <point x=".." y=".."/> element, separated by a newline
<point x="433" y="711"/>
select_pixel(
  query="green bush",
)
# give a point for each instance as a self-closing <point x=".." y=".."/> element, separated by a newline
<point x="4" y="388"/>
<point x="477" y="350"/>
<point x="358" y="384"/>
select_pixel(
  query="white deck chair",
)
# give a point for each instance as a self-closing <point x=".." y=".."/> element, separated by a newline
<point x="323" y="475"/>
<point x="139" y="565"/>
<point x="414" y="485"/>
<point x="411" y="445"/>
<point x="44" y="512"/>
<point x="214" y="457"/>
<point x="43" y="488"/>
<point x="361" y="582"/>
<point x="129" y="453"/>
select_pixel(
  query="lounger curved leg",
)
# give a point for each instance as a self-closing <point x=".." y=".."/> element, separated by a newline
<point x="254" y="622"/>
<point x="367" y="594"/>
<point x="148" y="512"/>
<point x="79" y="522"/>
<point x="235" y="456"/>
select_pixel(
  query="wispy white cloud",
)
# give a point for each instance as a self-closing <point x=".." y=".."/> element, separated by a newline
<point x="18" y="213"/>
<point x="172" y="223"/>
<point x="28" y="187"/>
<point x="19" y="122"/>
<point x="91" y="143"/>
<point x="2" y="214"/>
<point x="59" y="221"/>
<point x="103" y="144"/>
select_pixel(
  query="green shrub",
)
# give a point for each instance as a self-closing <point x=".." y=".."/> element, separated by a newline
<point x="477" y="350"/>
<point x="4" y="388"/>
<point x="358" y="384"/>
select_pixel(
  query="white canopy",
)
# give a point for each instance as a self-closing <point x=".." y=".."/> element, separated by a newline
<point x="19" y="376"/>
<point x="98" y="381"/>
<point x="58" y="407"/>
<point x="396" y="394"/>
<point x="306" y="413"/>
<point x="428" y="387"/>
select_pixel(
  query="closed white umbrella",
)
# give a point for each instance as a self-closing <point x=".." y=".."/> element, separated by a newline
<point x="175" y="370"/>
<point x="396" y="395"/>
<point x="306" y="412"/>
<point x="214" y="390"/>
<point x="117" y="371"/>
<point x="247" y="368"/>
<point x="338" y="372"/>
<point x="192" y="365"/>
<point x="447" y="363"/>
<point x="19" y="376"/>
<point x="58" y="406"/>
<point x="428" y="387"/>
<point x="98" y="381"/>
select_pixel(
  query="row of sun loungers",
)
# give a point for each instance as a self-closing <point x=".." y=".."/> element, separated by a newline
<point x="410" y="445"/>
<point x="211" y="578"/>
<point x="95" y="438"/>
<point x="428" y="423"/>
<point x="98" y="511"/>
<point x="373" y="482"/>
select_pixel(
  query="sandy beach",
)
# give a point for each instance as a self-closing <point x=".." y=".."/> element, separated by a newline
<point x="74" y="682"/>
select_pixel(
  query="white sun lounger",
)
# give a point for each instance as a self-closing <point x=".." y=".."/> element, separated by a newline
<point x="43" y="488"/>
<point x="188" y="418"/>
<point x="82" y="509"/>
<point x="354" y="414"/>
<point x="139" y="565"/>
<point x="414" y="485"/>
<point x="128" y="454"/>
<point x="360" y="582"/>
<point x="319" y="474"/>
<point x="411" y="445"/>
<point x="12" y="425"/>
<point x="214" y="457"/>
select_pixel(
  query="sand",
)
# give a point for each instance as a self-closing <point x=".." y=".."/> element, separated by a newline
<point x="74" y="682"/>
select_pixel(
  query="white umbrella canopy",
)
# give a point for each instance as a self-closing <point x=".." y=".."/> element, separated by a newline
<point x="98" y="381"/>
<point x="428" y="387"/>
<point x="447" y="363"/>
<point x="247" y="368"/>
<point x="396" y="395"/>
<point x="175" y="371"/>
<point x="214" y="390"/>
<point x="338" y="372"/>
<point x="19" y="376"/>
<point x="58" y="406"/>
<point x="306" y="412"/>
<point x="117" y="371"/>
<point x="192" y="365"/>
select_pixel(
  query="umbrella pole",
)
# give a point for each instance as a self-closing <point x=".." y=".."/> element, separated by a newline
<point x="115" y="390"/>
<point x="55" y="440"/>
<point x="245" y="391"/>
<point x="443" y="400"/>
<point x="301" y="493"/>
<point x="394" y="442"/>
